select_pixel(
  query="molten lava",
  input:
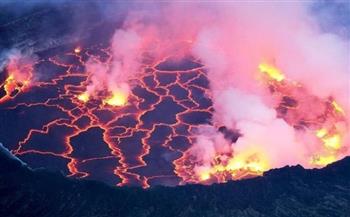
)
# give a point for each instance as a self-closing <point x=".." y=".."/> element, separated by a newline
<point x="118" y="98"/>
<point x="331" y="141"/>
<point x="325" y="116"/>
<point x="10" y="84"/>
<point x="77" y="50"/>
<point x="249" y="163"/>
<point x="84" y="97"/>
<point x="159" y="123"/>
<point x="273" y="72"/>
<point x="338" y="108"/>
<point x="19" y="77"/>
<point x="305" y="113"/>
<point x="242" y="165"/>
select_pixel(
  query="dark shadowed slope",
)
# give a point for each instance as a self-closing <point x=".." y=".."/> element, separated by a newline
<point x="290" y="191"/>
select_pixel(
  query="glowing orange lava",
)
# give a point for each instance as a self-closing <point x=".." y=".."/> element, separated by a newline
<point x="19" y="78"/>
<point x="327" y="120"/>
<point x="118" y="98"/>
<point x="273" y="72"/>
<point x="121" y="129"/>
<point x="77" y="50"/>
<point x="240" y="166"/>
<point x="84" y="97"/>
<point x="337" y="107"/>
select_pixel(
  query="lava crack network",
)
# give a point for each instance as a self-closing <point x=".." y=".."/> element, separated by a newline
<point x="51" y="122"/>
<point x="144" y="137"/>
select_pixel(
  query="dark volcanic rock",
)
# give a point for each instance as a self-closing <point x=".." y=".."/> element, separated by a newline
<point x="46" y="26"/>
<point x="178" y="65"/>
<point x="289" y="191"/>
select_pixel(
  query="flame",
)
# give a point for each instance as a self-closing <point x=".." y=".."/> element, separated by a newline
<point x="17" y="80"/>
<point x="204" y="175"/>
<point x="253" y="166"/>
<point x="249" y="163"/>
<point x="239" y="166"/>
<point x="273" y="72"/>
<point x="77" y="50"/>
<point x="330" y="137"/>
<point x="118" y="98"/>
<point x="330" y="140"/>
<point x="337" y="107"/>
<point x="10" y="84"/>
<point x="84" y="97"/>
<point x="252" y="162"/>
<point x="321" y="132"/>
<point x="323" y="160"/>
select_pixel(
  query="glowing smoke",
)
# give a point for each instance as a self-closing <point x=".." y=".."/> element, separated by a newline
<point x="19" y="73"/>
<point x="285" y="35"/>
<point x="232" y="40"/>
<point x="113" y="77"/>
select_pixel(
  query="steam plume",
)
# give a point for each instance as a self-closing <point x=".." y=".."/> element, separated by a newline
<point x="276" y="77"/>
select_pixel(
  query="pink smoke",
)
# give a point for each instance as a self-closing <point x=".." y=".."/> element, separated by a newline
<point x="284" y="34"/>
<point x="232" y="39"/>
<point x="126" y="47"/>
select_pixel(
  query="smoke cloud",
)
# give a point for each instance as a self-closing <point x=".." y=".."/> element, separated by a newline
<point x="245" y="35"/>
<point x="300" y="116"/>
<point x="232" y="39"/>
<point x="126" y="47"/>
<point x="18" y="70"/>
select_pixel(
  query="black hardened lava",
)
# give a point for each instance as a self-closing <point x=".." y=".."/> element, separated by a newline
<point x="289" y="191"/>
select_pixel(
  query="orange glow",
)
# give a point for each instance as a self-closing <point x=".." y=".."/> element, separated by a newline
<point x="271" y="71"/>
<point x="10" y="84"/>
<point x="77" y="50"/>
<point x="326" y="140"/>
<point x="238" y="167"/>
<point x="337" y="107"/>
<point x="323" y="160"/>
<point x="17" y="80"/>
<point x="204" y="176"/>
<point x="247" y="162"/>
<point x="118" y="98"/>
<point x="84" y="97"/>
<point x="251" y="162"/>
<point x="330" y="140"/>
<point x="321" y="132"/>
